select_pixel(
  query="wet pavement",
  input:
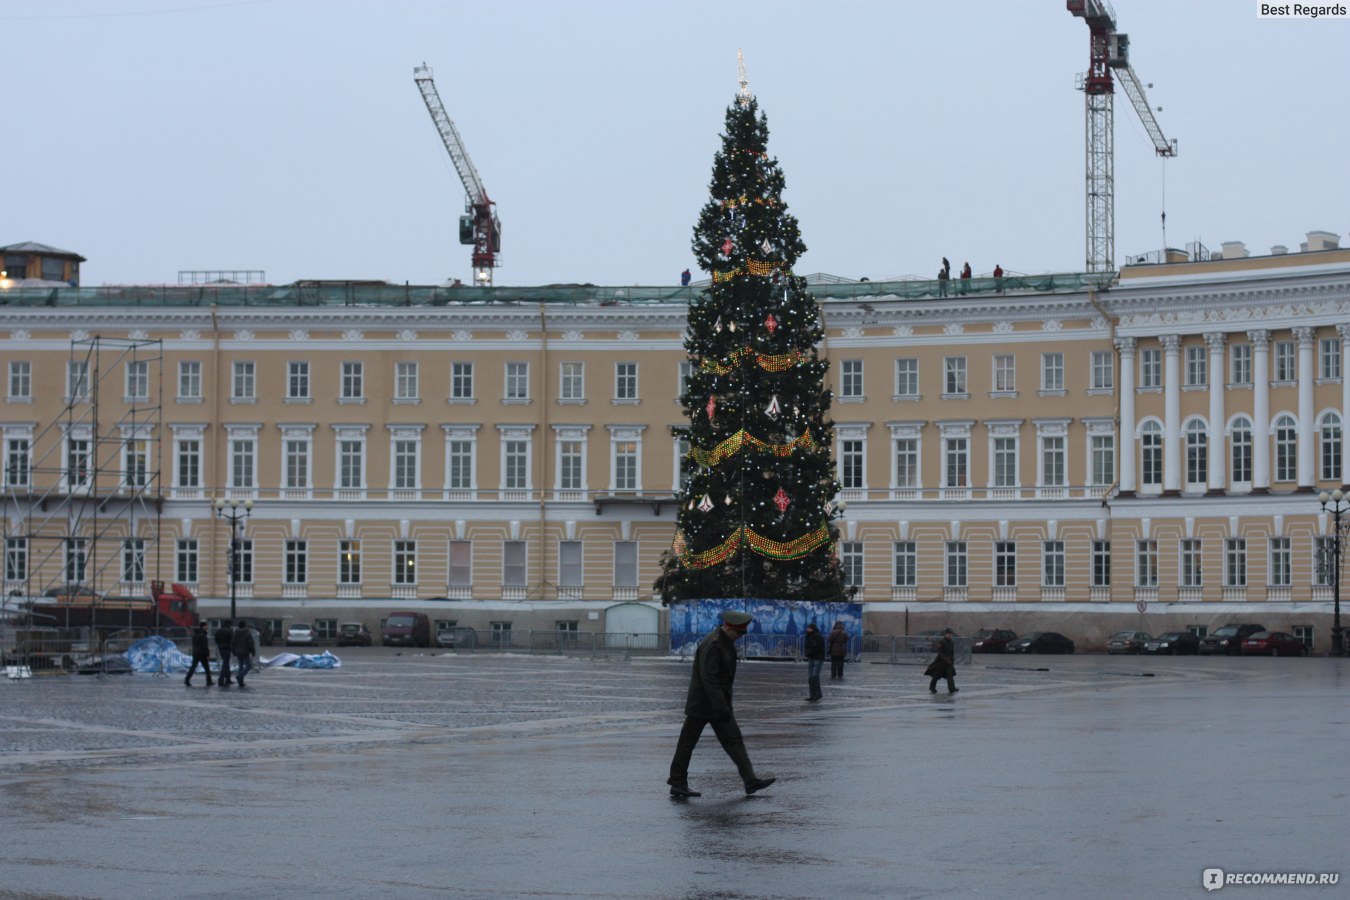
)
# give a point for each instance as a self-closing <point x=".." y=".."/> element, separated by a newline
<point x="425" y="775"/>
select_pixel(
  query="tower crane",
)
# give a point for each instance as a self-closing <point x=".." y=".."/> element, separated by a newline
<point x="1110" y="51"/>
<point x="479" y="225"/>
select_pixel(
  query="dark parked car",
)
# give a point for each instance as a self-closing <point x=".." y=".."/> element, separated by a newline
<point x="991" y="640"/>
<point x="1041" y="642"/>
<point x="1273" y="643"/>
<point x="353" y="634"/>
<point x="1174" y="643"/>
<point x="1228" y="639"/>
<point x="1128" y="642"/>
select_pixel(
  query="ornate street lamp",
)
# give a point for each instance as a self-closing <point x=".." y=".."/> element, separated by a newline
<point x="1338" y="505"/>
<point x="235" y="513"/>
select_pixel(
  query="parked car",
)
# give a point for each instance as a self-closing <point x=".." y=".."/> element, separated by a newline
<point x="1174" y="643"/>
<point x="406" y="629"/>
<point x="457" y="636"/>
<point x="1273" y="643"/>
<point x="1227" y="639"/>
<point x="300" y="633"/>
<point x="991" y="640"/>
<point x="1128" y="642"/>
<point x="1040" y="642"/>
<point x="353" y="634"/>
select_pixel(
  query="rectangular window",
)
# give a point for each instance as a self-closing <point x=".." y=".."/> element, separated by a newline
<point x="957" y="463"/>
<point x="626" y="381"/>
<point x="1005" y="564"/>
<point x="1103" y="459"/>
<point x="243" y="386"/>
<point x="686" y="370"/>
<point x="1324" y="561"/>
<point x="956" y="564"/>
<point x="1281" y="562"/>
<point x="515" y="463"/>
<point x="1330" y="358"/>
<point x="1150" y="368"/>
<point x="1005" y="373"/>
<point x="1053" y="472"/>
<point x="185" y="561"/>
<point x="906" y="462"/>
<point x="625" y="564"/>
<point x="77" y="379"/>
<point x="242" y="463"/>
<point x="349" y="562"/>
<point x="907" y="377"/>
<point x="1103" y="370"/>
<point x="16" y="559"/>
<point x="1330" y="457"/>
<point x="906" y="557"/>
<point x="76" y="559"/>
<point x="682" y="473"/>
<point x="297" y="380"/>
<point x="851" y="379"/>
<point x="955" y="369"/>
<point x="1101" y="564"/>
<point x="405" y="562"/>
<point x="1146" y="564"/>
<point x="513" y="564"/>
<point x="461" y="381"/>
<point x="133" y="560"/>
<point x="324" y="629"/>
<point x="406" y="385"/>
<point x="17" y="466"/>
<point x="1284" y="361"/>
<point x="625" y="465"/>
<point x="137" y="463"/>
<point x="1192" y="575"/>
<point x="77" y="463"/>
<point x="190" y="380"/>
<point x="517" y="381"/>
<point x="1197" y="372"/>
<point x="405" y="465"/>
<point x="569" y="564"/>
<point x="246" y="561"/>
<point x="1005" y="462"/>
<point x="1052" y="371"/>
<point x="851" y="464"/>
<point x="1240" y="360"/>
<point x="1053" y="564"/>
<point x="1235" y="562"/>
<point x="569" y="466"/>
<point x="353" y="381"/>
<point x="572" y="382"/>
<point x="297" y="465"/>
<point x="460" y="476"/>
<point x="20" y="380"/>
<point x="351" y="464"/>
<point x="138" y="379"/>
<point x="461" y="564"/>
<point x="851" y="562"/>
<point x="189" y="463"/>
<point x="296" y="562"/>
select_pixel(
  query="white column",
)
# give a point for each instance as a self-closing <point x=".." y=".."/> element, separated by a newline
<point x="1217" y="457"/>
<point x="1344" y="332"/>
<point x="1171" y="412"/>
<point x="1260" y="409"/>
<point x="1307" y="377"/>
<point x="1126" y="451"/>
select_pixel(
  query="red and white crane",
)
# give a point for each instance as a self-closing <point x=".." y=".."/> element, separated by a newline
<point x="479" y="225"/>
<point x="1110" y="51"/>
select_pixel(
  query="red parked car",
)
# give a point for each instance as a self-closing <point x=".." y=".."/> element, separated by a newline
<point x="1273" y="643"/>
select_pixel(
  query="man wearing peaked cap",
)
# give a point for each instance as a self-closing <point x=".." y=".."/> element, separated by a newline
<point x="709" y="703"/>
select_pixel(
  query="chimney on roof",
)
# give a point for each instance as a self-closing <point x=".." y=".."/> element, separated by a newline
<point x="1279" y="250"/>
<point x="1321" y="240"/>
<point x="1234" y="250"/>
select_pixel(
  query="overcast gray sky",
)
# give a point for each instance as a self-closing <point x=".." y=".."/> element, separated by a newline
<point x="288" y="135"/>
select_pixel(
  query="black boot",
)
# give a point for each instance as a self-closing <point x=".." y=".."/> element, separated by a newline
<point x="755" y="785"/>
<point x="681" y="789"/>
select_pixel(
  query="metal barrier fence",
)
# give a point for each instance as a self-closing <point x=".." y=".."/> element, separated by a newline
<point x="68" y="654"/>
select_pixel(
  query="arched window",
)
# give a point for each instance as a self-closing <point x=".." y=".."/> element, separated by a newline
<point x="1286" y="447"/>
<point x="1330" y="456"/>
<point x="1240" y="440"/>
<point x="1150" y="454"/>
<point x="1197" y="454"/>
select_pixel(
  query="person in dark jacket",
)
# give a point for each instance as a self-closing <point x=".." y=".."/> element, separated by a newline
<point x="201" y="653"/>
<point x="242" y="645"/>
<point x="224" y="637"/>
<point x="709" y="703"/>
<point x="838" y="642"/>
<point x="943" y="665"/>
<point x="814" y="645"/>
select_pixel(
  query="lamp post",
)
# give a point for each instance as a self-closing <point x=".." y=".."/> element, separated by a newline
<point x="235" y="513"/>
<point x="1337" y="504"/>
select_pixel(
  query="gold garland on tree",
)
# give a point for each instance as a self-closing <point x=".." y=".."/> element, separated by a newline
<point x="734" y="443"/>
<point x="780" y="550"/>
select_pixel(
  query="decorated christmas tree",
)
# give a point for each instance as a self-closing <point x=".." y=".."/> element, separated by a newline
<point x="756" y="508"/>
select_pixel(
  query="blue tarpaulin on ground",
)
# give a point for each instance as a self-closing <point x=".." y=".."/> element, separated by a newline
<point x="157" y="654"/>
<point x="324" y="660"/>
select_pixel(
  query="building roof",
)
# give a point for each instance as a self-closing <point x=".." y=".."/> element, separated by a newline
<point x="35" y="247"/>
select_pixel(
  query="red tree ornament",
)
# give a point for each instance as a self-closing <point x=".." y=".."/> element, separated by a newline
<point x="771" y="323"/>
<point x="712" y="406"/>
<point x="727" y="247"/>
<point x="781" y="500"/>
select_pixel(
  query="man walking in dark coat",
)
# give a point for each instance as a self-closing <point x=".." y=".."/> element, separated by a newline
<point x="224" y="639"/>
<point x="242" y="645"/>
<point x="838" y="651"/>
<point x="201" y="653"/>
<point x="709" y="703"/>
<point x="814" y="645"/>
<point x="944" y="665"/>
